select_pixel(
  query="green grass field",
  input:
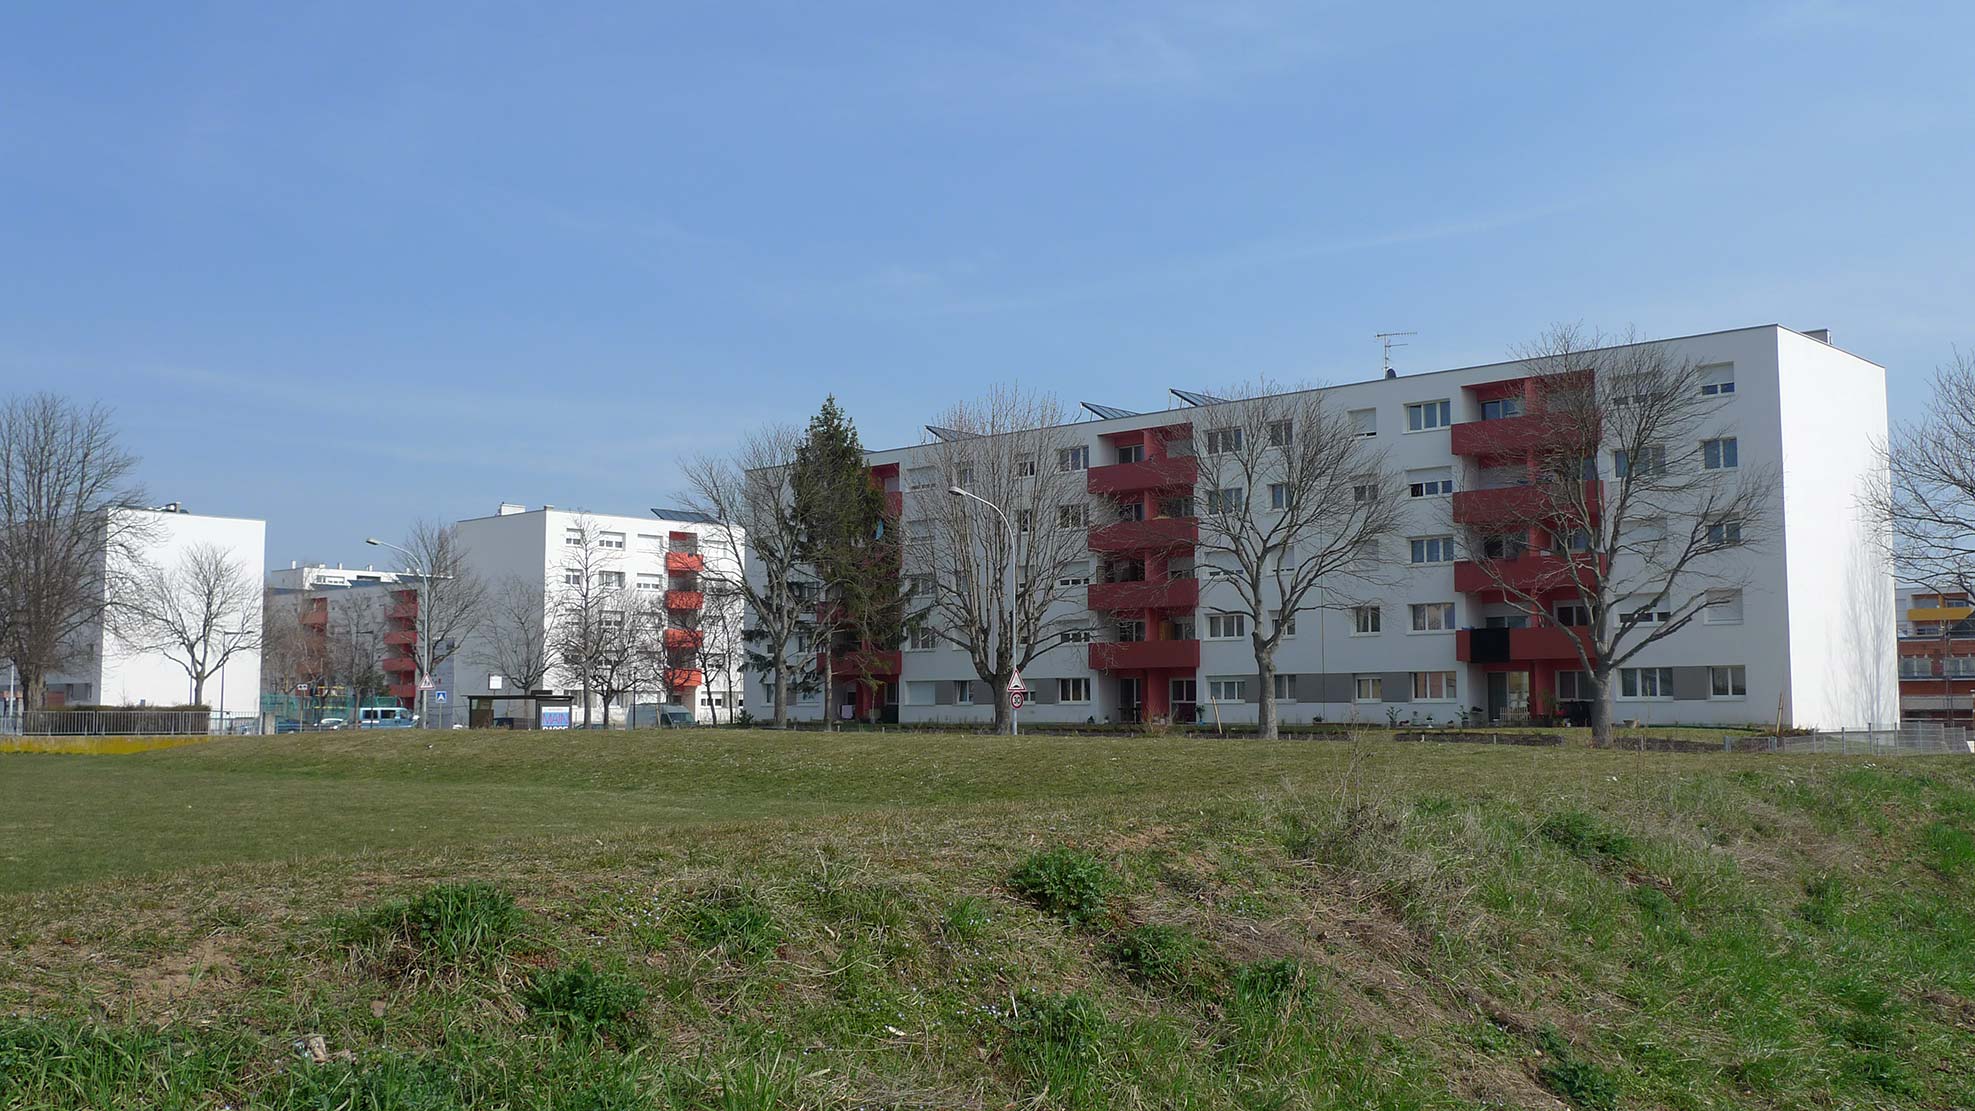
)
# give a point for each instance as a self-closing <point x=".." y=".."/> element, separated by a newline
<point x="754" y="920"/>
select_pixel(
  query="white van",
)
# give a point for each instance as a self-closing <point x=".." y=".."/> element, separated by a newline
<point x="385" y="717"/>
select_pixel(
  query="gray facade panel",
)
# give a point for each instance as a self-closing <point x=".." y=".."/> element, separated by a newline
<point x="1397" y="686"/>
<point x="1690" y="684"/>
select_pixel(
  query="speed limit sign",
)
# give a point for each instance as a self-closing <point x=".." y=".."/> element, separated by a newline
<point x="1015" y="698"/>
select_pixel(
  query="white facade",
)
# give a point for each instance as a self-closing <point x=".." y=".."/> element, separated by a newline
<point x="118" y="674"/>
<point x="1813" y="634"/>
<point x="642" y="553"/>
<point x="304" y="577"/>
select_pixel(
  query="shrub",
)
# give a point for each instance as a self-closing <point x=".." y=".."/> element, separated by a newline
<point x="1156" y="954"/>
<point x="585" y="1001"/>
<point x="1071" y="884"/>
<point x="455" y="924"/>
<point x="734" y="920"/>
<point x="1586" y="837"/>
<point x="1572" y="1077"/>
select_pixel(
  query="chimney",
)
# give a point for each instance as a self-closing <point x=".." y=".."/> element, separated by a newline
<point x="1821" y="335"/>
<point x="509" y="509"/>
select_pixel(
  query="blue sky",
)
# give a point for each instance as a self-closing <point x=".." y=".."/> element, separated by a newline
<point x="344" y="266"/>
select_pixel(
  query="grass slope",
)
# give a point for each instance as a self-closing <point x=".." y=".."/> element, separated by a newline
<point x="751" y="921"/>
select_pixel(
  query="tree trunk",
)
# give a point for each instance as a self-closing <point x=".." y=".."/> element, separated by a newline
<point x="781" y="707"/>
<point x="34" y="688"/>
<point x="1601" y="710"/>
<point x="199" y="690"/>
<point x="586" y="703"/>
<point x="1266" y="719"/>
<point x="1004" y="707"/>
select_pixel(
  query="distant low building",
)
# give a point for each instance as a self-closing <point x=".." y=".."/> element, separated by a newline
<point x="1937" y="656"/>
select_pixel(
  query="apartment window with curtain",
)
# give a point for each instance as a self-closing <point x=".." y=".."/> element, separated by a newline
<point x="1433" y="549"/>
<point x="1221" y="441"/>
<point x="1501" y="408"/>
<point x="1432" y="617"/>
<point x="1365" y="621"/>
<point x="1284" y="688"/>
<point x="1424" y="416"/>
<point x="1073" y="459"/>
<point x="1645" y="682"/>
<point x="1073" y="690"/>
<point x="1728" y="682"/>
<point x="1719" y="454"/>
<point x="1227" y="689"/>
<point x="1434" y="686"/>
<point x="1370" y="688"/>
<point x="1281" y="433"/>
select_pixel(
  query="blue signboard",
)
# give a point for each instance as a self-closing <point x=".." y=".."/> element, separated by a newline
<point x="555" y="717"/>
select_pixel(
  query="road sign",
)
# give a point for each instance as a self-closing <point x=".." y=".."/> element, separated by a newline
<point x="1015" y="684"/>
<point x="1015" y="699"/>
<point x="439" y="696"/>
<point x="425" y="683"/>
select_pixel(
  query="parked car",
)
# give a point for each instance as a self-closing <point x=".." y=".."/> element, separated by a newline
<point x="331" y="723"/>
<point x="287" y="725"/>
<point x="385" y="717"/>
<point x="673" y="716"/>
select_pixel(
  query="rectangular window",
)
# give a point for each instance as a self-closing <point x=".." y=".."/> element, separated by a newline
<point x="1650" y="614"/>
<point x="1131" y="453"/>
<point x="1725" y="532"/>
<point x="1573" y="613"/>
<point x="1073" y="636"/>
<point x="1432" y="617"/>
<point x="1573" y="686"/>
<point x="1719" y="455"/>
<point x="653" y="542"/>
<point x="1728" y="682"/>
<point x="1370" y="688"/>
<point x="1650" y="460"/>
<point x="1221" y="441"/>
<point x="572" y="578"/>
<point x="1025" y="519"/>
<point x="1284" y="688"/>
<point x="1073" y="459"/>
<point x="1364" y="491"/>
<point x="1433" y="686"/>
<point x="1645" y="682"/>
<point x="1230" y="500"/>
<point x="1025" y="466"/>
<point x="1430" y="482"/>
<point x="1433" y="549"/>
<point x="963" y="692"/>
<point x="650" y="582"/>
<point x="1075" y="573"/>
<point x="610" y="578"/>
<point x="1280" y="495"/>
<point x="1227" y="689"/>
<point x="1718" y="380"/>
<point x="920" y="478"/>
<point x="1365" y="620"/>
<point x="1226" y="626"/>
<point x="1724" y="608"/>
<point x="1501" y="408"/>
<point x="610" y="540"/>
<point x="924" y="640"/>
<point x="1072" y="516"/>
<point x="1281" y="433"/>
<point x="572" y="537"/>
<point x="1422" y="416"/>
<point x="1288" y="627"/>
<point x="1073" y="690"/>
<point x="1364" y="422"/>
<point x="612" y="619"/>
<point x="1131" y="632"/>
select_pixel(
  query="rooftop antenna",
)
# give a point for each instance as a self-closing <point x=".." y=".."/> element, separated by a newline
<point x="1386" y="339"/>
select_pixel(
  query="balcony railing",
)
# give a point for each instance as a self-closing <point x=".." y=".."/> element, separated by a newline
<point x="1152" y="535"/>
<point x="1548" y="642"/>
<point x="684" y="638"/>
<point x="684" y="563"/>
<point x="402" y="611"/>
<point x="680" y="678"/>
<point x="316" y="617"/>
<point x="396" y="664"/>
<point x="401" y="637"/>
<point x="1149" y="474"/>
<point x="684" y="599"/>
<point x="1135" y="655"/>
<point x="1167" y="594"/>
<point x="1522" y="503"/>
<point x="1532" y="572"/>
<point x="402" y="690"/>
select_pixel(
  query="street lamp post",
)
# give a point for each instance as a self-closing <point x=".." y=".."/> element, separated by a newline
<point x="1014" y="726"/>
<point x="421" y="643"/>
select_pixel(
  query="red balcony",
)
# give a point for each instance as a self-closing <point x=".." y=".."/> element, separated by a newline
<point x="1521" y="503"/>
<point x="685" y="563"/>
<point x="683" y="678"/>
<point x="404" y="691"/>
<point x="684" y="639"/>
<point x="1170" y="594"/>
<point x="894" y="504"/>
<point x="865" y="663"/>
<point x="402" y="611"/>
<point x="1152" y="474"/>
<point x="316" y="617"/>
<point x="684" y="599"/>
<point x="1139" y="655"/>
<point x="1533" y="572"/>
<point x="1152" y="535"/>
<point x="1550" y="642"/>
<point x="393" y="665"/>
<point x="401" y="637"/>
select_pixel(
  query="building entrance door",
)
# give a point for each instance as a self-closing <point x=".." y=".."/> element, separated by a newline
<point x="1508" y="694"/>
<point x="1131" y="699"/>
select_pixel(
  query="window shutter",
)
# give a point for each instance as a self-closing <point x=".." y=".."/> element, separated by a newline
<point x="1397" y="686"/>
<point x="1690" y="683"/>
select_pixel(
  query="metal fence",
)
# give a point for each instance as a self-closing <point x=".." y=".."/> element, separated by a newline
<point x="134" y="722"/>
<point x="1920" y="738"/>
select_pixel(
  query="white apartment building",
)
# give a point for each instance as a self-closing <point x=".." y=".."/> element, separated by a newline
<point x="667" y="554"/>
<point x="1810" y="637"/>
<point x="113" y="672"/>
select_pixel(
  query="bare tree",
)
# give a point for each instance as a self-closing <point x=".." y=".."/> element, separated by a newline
<point x="353" y="641"/>
<point x="718" y="648"/>
<point x="1930" y="499"/>
<point x="451" y="602"/>
<point x="587" y="606"/>
<point x="619" y="655"/>
<point x="1624" y="562"/>
<point x="198" y="613"/>
<point x="292" y="654"/>
<point x="518" y="633"/>
<point x="63" y="538"/>
<point x="1292" y="496"/>
<point x="1010" y="449"/>
<point x="759" y="538"/>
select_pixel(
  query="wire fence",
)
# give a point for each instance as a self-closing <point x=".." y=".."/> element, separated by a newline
<point x="1919" y="738"/>
<point x="135" y="722"/>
